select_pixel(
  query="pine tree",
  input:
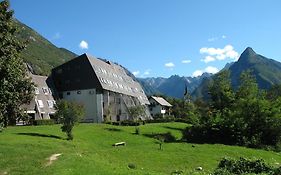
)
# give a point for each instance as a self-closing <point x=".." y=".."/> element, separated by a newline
<point x="15" y="88"/>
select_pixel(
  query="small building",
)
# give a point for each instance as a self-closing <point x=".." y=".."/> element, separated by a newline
<point x="43" y="104"/>
<point x="159" y="106"/>
<point x="105" y="89"/>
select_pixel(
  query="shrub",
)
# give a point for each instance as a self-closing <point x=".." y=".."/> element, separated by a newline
<point x="244" y="166"/>
<point x="44" y="122"/>
<point x="130" y="123"/>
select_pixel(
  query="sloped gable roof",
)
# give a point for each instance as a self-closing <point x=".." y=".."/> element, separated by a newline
<point x="114" y="78"/>
<point x="41" y="86"/>
<point x="161" y="101"/>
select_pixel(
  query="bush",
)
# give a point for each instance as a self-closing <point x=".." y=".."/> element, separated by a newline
<point x="44" y="122"/>
<point x="244" y="166"/>
<point x="161" y="119"/>
<point x="130" y="123"/>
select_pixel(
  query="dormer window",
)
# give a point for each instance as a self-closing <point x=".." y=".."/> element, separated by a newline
<point x="45" y="90"/>
<point x="50" y="103"/>
<point x="40" y="103"/>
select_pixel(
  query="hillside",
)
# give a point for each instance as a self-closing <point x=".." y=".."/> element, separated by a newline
<point x="26" y="150"/>
<point x="40" y="53"/>
<point x="173" y="86"/>
<point x="267" y="72"/>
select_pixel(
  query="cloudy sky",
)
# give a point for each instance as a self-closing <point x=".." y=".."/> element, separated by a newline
<point x="155" y="38"/>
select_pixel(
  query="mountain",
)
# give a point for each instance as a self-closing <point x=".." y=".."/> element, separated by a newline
<point x="40" y="53"/>
<point x="173" y="86"/>
<point x="266" y="71"/>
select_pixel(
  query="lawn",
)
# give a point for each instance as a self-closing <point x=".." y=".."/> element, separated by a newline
<point x="26" y="149"/>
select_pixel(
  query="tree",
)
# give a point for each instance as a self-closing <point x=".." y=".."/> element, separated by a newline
<point x="136" y="111"/>
<point x="15" y="87"/>
<point x="108" y="113"/>
<point x="222" y="95"/>
<point x="248" y="88"/>
<point x="274" y="92"/>
<point x="69" y="114"/>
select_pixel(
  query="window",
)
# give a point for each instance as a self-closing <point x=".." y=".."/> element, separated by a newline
<point x="45" y="90"/>
<point x="68" y="93"/>
<point x="36" y="90"/>
<point x="40" y="103"/>
<point x="103" y="80"/>
<point x="78" y="92"/>
<point x="50" y="103"/>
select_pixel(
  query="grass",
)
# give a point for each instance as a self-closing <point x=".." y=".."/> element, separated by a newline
<point x="24" y="150"/>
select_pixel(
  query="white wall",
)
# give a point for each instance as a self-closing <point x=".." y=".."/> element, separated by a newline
<point x="157" y="108"/>
<point x="91" y="101"/>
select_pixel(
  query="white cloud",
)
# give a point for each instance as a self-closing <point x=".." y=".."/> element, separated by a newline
<point x="186" y="61"/>
<point x="136" y="73"/>
<point x="197" y="73"/>
<point x="219" y="53"/>
<point x="208" y="59"/>
<point x="170" y="65"/>
<point x="209" y="69"/>
<point x="83" y="45"/>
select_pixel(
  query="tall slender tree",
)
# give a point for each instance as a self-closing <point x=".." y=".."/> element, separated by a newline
<point x="222" y="95"/>
<point x="15" y="87"/>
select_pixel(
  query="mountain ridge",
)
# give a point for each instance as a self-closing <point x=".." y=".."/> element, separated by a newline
<point x="173" y="86"/>
<point x="266" y="71"/>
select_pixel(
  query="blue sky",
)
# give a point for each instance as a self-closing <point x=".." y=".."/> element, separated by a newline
<point x="155" y="38"/>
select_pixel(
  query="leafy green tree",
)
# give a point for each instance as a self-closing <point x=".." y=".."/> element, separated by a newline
<point x="258" y="125"/>
<point x="184" y="109"/>
<point x="69" y="114"/>
<point x="248" y="88"/>
<point x="136" y="111"/>
<point x="222" y="95"/>
<point x="274" y="92"/>
<point x="15" y="88"/>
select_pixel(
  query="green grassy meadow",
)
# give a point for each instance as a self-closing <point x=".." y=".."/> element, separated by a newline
<point x="26" y="149"/>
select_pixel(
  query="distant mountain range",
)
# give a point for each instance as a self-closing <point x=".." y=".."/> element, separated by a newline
<point x="173" y="86"/>
<point x="40" y="53"/>
<point x="266" y="71"/>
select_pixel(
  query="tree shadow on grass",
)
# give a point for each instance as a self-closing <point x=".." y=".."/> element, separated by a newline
<point x="113" y="129"/>
<point x="40" y="135"/>
<point x="165" y="137"/>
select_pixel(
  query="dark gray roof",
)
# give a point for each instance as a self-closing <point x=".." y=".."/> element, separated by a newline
<point x="161" y="101"/>
<point x="43" y="92"/>
<point x="114" y="78"/>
